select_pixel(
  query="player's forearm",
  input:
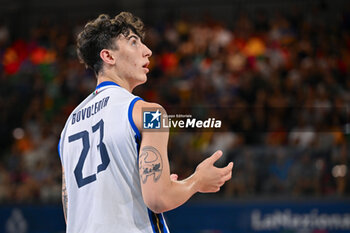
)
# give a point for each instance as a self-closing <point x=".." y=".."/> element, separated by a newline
<point x="179" y="192"/>
<point x="171" y="195"/>
<point x="160" y="193"/>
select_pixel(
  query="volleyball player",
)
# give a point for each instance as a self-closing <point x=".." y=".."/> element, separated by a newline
<point x="116" y="176"/>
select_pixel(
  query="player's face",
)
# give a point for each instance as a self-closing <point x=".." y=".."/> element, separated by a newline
<point x="132" y="59"/>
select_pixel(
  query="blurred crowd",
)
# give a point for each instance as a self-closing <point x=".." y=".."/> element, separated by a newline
<point x="279" y="82"/>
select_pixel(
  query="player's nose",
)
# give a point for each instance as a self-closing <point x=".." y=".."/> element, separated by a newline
<point x="146" y="51"/>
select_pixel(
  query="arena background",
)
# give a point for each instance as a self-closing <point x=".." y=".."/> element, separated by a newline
<point x="276" y="73"/>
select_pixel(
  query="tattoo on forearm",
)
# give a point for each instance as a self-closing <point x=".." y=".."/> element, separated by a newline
<point x="150" y="164"/>
<point x="64" y="196"/>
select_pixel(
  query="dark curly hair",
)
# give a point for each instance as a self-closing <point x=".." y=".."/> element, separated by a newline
<point x="99" y="34"/>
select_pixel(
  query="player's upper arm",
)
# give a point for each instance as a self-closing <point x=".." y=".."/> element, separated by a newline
<point x="153" y="157"/>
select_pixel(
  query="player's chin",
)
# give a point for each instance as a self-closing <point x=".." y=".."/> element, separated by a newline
<point x="142" y="79"/>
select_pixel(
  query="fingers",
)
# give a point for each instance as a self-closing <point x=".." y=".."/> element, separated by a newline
<point x="225" y="175"/>
<point x="215" y="157"/>
<point x="229" y="166"/>
<point x="227" y="172"/>
<point x="228" y="176"/>
<point x="213" y="177"/>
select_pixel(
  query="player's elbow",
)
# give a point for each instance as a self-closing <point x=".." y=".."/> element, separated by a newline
<point x="156" y="204"/>
<point x="156" y="208"/>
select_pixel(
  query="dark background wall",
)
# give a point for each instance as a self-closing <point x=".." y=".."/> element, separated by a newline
<point x="22" y="14"/>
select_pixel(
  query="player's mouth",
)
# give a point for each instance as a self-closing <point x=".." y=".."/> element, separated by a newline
<point x="145" y="66"/>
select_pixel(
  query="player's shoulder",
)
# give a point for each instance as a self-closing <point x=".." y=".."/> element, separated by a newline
<point x="141" y="106"/>
<point x="144" y="104"/>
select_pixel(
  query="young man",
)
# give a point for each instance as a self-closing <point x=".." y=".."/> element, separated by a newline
<point x="116" y="176"/>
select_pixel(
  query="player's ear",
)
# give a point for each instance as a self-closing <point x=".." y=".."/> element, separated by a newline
<point x="107" y="56"/>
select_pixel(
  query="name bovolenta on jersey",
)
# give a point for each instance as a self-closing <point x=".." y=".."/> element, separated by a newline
<point x="89" y="111"/>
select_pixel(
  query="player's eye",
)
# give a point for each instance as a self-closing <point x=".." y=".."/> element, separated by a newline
<point x="134" y="42"/>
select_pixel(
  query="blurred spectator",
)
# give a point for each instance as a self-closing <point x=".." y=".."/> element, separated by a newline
<point x="305" y="176"/>
<point x="302" y="135"/>
<point x="279" y="169"/>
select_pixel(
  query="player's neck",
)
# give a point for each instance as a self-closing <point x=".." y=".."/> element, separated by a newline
<point x="121" y="82"/>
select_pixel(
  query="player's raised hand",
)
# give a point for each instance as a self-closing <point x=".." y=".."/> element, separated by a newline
<point x="210" y="178"/>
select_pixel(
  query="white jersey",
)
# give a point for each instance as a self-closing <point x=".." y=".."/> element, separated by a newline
<point x="99" y="153"/>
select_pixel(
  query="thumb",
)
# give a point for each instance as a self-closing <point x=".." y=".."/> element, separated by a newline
<point x="212" y="159"/>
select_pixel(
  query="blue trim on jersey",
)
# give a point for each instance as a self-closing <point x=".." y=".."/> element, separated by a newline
<point x="106" y="83"/>
<point x="132" y="123"/>
<point x="157" y="222"/>
<point x="138" y="144"/>
<point x="58" y="148"/>
<point x="150" y="218"/>
<point x="131" y="120"/>
<point x="162" y="221"/>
